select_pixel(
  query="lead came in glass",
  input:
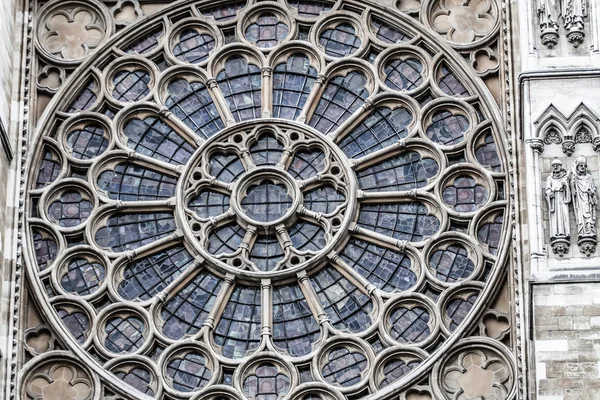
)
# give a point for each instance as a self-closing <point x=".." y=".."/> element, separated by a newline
<point x="125" y="231"/>
<point x="77" y="323"/>
<point x="70" y="210"/>
<point x="209" y="203"/>
<point x="387" y="33"/>
<point x="409" y="325"/>
<point x="396" y="369"/>
<point x="240" y="83"/>
<point x="131" y="86"/>
<point x="267" y="31"/>
<point x="489" y="234"/>
<point x="310" y="8"/>
<point x="447" y="129"/>
<point x="88" y="142"/>
<point x="404" y="221"/>
<point x="266" y="202"/>
<point x="83" y="277"/>
<point x="189" y="372"/>
<point x="46" y="249"/>
<point x="452" y="264"/>
<point x="139" y="378"/>
<point x="324" y="200"/>
<point x="340" y="41"/>
<point x="292" y="83"/>
<point x="49" y="170"/>
<point x="344" y="367"/>
<point x="402" y="172"/>
<point x="465" y="195"/>
<point x="267" y="383"/>
<point x="124" y="335"/>
<point x="403" y="74"/>
<point x="266" y="253"/>
<point x="266" y="151"/>
<point x="458" y="309"/>
<point x="131" y="182"/>
<point x="193" y="46"/>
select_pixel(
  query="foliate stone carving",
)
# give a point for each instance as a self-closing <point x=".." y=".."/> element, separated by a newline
<point x="548" y="13"/>
<point x="464" y="22"/>
<point x="583" y="135"/>
<point x="552" y="137"/>
<point x="596" y="144"/>
<point x="558" y="197"/>
<point x="71" y="31"/>
<point x="584" y="202"/>
<point x="573" y="13"/>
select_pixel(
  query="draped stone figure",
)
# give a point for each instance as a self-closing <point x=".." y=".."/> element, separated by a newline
<point x="585" y="200"/>
<point x="573" y="12"/>
<point x="558" y="197"/>
<point x="549" y="13"/>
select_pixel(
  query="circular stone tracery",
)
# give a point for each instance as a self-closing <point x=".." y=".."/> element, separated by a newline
<point x="270" y="200"/>
<point x="360" y="222"/>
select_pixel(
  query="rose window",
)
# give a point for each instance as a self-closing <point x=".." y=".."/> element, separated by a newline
<point x="232" y="201"/>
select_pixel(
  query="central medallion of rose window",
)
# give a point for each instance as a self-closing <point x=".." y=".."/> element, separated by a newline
<point x="266" y="200"/>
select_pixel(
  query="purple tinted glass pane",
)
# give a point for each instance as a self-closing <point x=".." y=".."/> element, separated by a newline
<point x="266" y="253"/>
<point x="153" y="138"/>
<point x="70" y="210"/>
<point x="239" y="327"/>
<point x="85" y="98"/>
<point x="403" y="221"/>
<point x="88" y="142"/>
<point x="146" y="43"/>
<point x="465" y="195"/>
<point x="396" y="369"/>
<point x="224" y="12"/>
<point x="325" y="199"/>
<point x="209" y="203"/>
<point x="447" y="128"/>
<point x="344" y="367"/>
<point x="452" y="264"/>
<point x="125" y="231"/>
<point x="405" y="171"/>
<point x="342" y="97"/>
<point x="76" y="322"/>
<point x="383" y="127"/>
<point x="388" y="270"/>
<point x="191" y="103"/>
<point x="267" y="383"/>
<point x="310" y="8"/>
<point x="267" y="31"/>
<point x="130" y="86"/>
<point x="189" y="373"/>
<point x="184" y="314"/>
<point x="124" y="335"/>
<point x="150" y="275"/>
<point x="266" y="202"/>
<point x="403" y="74"/>
<point x="307" y="237"/>
<point x="347" y="307"/>
<point x="240" y="84"/>
<point x="292" y="83"/>
<point x="45" y="248"/>
<point x="487" y="154"/>
<point x="49" y="170"/>
<point x="458" y="309"/>
<point x="490" y="234"/>
<point x="450" y="84"/>
<point x="138" y="377"/>
<point x="82" y="277"/>
<point x="387" y="33"/>
<point x="409" y="325"/>
<point x="340" y="41"/>
<point x="132" y="182"/>
<point x="193" y="46"/>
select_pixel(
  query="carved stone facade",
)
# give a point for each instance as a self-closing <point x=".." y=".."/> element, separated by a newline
<point x="293" y="200"/>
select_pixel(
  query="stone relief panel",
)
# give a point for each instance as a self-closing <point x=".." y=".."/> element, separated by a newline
<point x="566" y="149"/>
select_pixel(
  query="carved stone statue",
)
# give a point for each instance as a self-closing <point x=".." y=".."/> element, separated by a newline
<point x="573" y="12"/>
<point x="584" y="201"/>
<point x="558" y="196"/>
<point x="549" y="12"/>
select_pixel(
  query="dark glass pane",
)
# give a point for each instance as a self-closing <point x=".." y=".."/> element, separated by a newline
<point x="85" y="98"/>
<point x="307" y="237"/>
<point x="292" y="83"/>
<point x="348" y="308"/>
<point x="458" y="309"/>
<point x="344" y="367"/>
<point x="294" y="326"/>
<point x="487" y="154"/>
<point x="267" y="383"/>
<point x="450" y="84"/>
<point x="266" y="253"/>
<point x="307" y="163"/>
<point x="150" y="275"/>
<point x="224" y="12"/>
<point x="387" y="33"/>
<point x="452" y="264"/>
<point x="404" y="171"/>
<point x="225" y="167"/>
<point x="396" y="369"/>
<point x="403" y="221"/>
<point x="310" y="8"/>
<point x="138" y="377"/>
<point x="132" y="182"/>
<point x="447" y="129"/>
<point x="403" y="74"/>
<point x="82" y="277"/>
<point x="409" y="325"/>
<point x="266" y="151"/>
<point x="126" y="231"/>
<point x="388" y="270"/>
<point x="342" y="97"/>
<point x="266" y="202"/>
<point x="70" y="210"/>
<point x="240" y="84"/>
<point x="48" y="172"/>
<point x="209" y="203"/>
<point x="340" y="41"/>
<point x="45" y="248"/>
<point x="239" y="327"/>
<point x="146" y="43"/>
<point x="185" y="313"/>
<point x="191" y="103"/>
<point x="465" y="195"/>
<point x="490" y="234"/>
<point x="124" y="335"/>
<point x="267" y="31"/>
<point x="324" y="199"/>
<point x="130" y="86"/>
<point x="383" y="127"/>
<point x="76" y="322"/>
<point x="88" y="142"/>
<point x="193" y="46"/>
<point x="154" y="138"/>
<point x="188" y="373"/>
<point x="225" y="239"/>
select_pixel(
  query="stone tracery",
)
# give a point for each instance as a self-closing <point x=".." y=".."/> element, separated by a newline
<point x="162" y="174"/>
